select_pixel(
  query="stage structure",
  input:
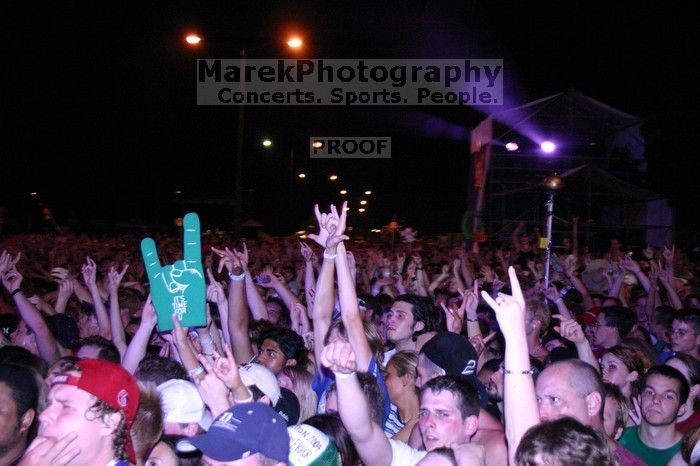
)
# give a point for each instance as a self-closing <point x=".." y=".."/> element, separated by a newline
<point x="598" y="152"/>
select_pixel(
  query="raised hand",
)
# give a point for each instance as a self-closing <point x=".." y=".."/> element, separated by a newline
<point x="228" y="259"/>
<point x="335" y="224"/>
<point x="212" y="389"/>
<point x="628" y="263"/>
<point x="12" y="279"/>
<point x="551" y="293"/>
<point x="306" y="252"/>
<point x="89" y="272"/>
<point x="569" y="329"/>
<point x="488" y="273"/>
<point x="7" y="262"/>
<point x="148" y="313"/>
<point x="226" y="369"/>
<point x="339" y="357"/>
<point x="470" y="298"/>
<point x="269" y="279"/>
<point x="243" y="256"/>
<point x="178" y="288"/>
<point x="330" y="225"/>
<point x="114" y="278"/>
<point x="454" y="317"/>
<point x="215" y="292"/>
<point x="323" y="233"/>
<point x="510" y="310"/>
<point x="669" y="254"/>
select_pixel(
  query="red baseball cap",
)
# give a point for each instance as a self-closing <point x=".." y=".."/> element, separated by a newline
<point x="110" y="383"/>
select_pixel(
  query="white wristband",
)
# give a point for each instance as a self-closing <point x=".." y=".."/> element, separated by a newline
<point x="342" y="375"/>
<point x="236" y="278"/>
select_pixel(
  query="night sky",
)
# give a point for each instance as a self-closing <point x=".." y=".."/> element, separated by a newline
<point x="100" y="114"/>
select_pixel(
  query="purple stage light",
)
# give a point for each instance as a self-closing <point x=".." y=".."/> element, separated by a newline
<point x="547" y="147"/>
<point x="512" y="146"/>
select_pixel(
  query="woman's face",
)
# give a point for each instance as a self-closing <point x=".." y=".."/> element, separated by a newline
<point x="395" y="385"/>
<point x="614" y="370"/>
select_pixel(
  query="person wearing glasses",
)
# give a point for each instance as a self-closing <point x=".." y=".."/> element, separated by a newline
<point x="685" y="333"/>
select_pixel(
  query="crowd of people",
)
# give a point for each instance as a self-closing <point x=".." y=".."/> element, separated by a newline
<point x="331" y="351"/>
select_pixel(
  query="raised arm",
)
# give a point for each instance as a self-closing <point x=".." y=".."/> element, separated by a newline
<point x="628" y="264"/>
<point x="89" y="272"/>
<point x="570" y="272"/>
<point x="370" y="441"/>
<point x="11" y="280"/>
<point x="325" y="296"/>
<point x="237" y="304"/>
<point x="309" y="278"/>
<point x="114" y="279"/>
<point x="666" y="278"/>
<point x="444" y="275"/>
<point x="571" y="330"/>
<point x="347" y="296"/>
<point x="65" y="291"/>
<point x="216" y="295"/>
<point x="280" y="287"/>
<point x="136" y="350"/>
<point x="252" y="295"/>
<point x="520" y="403"/>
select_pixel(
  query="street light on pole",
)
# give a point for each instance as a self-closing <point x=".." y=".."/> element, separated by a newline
<point x="194" y="40"/>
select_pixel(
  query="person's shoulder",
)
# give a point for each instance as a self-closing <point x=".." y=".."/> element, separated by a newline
<point x="402" y="453"/>
<point x="626" y="457"/>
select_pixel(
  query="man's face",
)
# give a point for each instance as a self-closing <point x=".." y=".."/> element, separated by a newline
<point x="494" y="386"/>
<point x="683" y="337"/>
<point x="441" y="423"/>
<point x="66" y="413"/>
<point x="399" y="322"/>
<point x="660" y="400"/>
<point x="556" y="398"/>
<point x="87" y="325"/>
<point x="271" y="356"/>
<point x="10" y="435"/>
<point x="605" y="336"/>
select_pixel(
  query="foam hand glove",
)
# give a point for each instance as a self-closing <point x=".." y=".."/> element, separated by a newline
<point x="178" y="288"/>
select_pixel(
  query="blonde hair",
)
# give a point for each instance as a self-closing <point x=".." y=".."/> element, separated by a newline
<point x="301" y="386"/>
<point x="405" y="362"/>
<point x="148" y="424"/>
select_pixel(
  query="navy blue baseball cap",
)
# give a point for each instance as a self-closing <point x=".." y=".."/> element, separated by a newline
<point x="242" y="431"/>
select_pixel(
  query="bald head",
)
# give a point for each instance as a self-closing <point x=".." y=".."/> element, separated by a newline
<point x="571" y="388"/>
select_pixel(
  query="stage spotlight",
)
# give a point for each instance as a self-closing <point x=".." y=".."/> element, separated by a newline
<point x="512" y="146"/>
<point x="547" y="147"/>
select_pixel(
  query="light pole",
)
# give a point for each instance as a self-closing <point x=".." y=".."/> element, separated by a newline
<point x="553" y="184"/>
<point x="195" y="40"/>
<point x="302" y="176"/>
